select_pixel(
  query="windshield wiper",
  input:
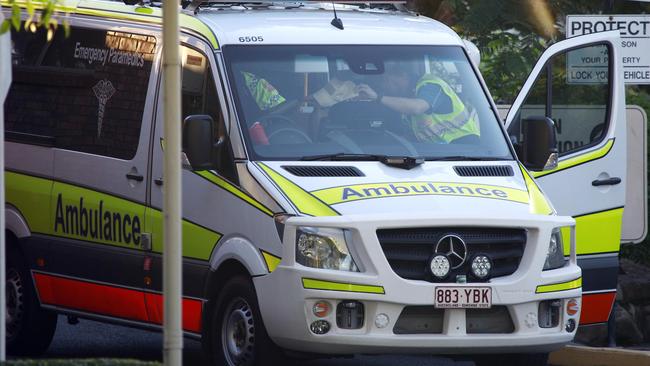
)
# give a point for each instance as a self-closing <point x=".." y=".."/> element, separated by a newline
<point x="403" y="162"/>
<point x="342" y="157"/>
<point x="463" y="158"/>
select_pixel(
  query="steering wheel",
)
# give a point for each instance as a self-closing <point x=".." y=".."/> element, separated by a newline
<point x="283" y="130"/>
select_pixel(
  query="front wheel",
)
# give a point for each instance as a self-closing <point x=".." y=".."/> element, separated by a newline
<point x="30" y="328"/>
<point x="523" y="359"/>
<point x="236" y="335"/>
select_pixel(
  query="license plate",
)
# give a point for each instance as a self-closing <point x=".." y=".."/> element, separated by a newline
<point x="463" y="297"/>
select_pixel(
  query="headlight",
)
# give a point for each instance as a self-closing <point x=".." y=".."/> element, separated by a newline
<point x="555" y="255"/>
<point x="323" y="248"/>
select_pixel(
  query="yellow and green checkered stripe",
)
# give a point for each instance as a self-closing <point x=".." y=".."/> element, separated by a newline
<point x="304" y="201"/>
<point x="562" y="286"/>
<point x="272" y="261"/>
<point x="580" y="159"/>
<point x="198" y="242"/>
<point x="350" y="193"/>
<point x="538" y="202"/>
<point x="37" y="199"/>
<point x="313" y="284"/>
<point x="596" y="233"/>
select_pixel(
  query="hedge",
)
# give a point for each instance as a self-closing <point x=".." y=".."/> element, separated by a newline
<point x="79" y="362"/>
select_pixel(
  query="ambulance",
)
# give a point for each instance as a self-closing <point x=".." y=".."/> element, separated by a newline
<point x="348" y="184"/>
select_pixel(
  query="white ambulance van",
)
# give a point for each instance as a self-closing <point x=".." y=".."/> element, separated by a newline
<point x="348" y="188"/>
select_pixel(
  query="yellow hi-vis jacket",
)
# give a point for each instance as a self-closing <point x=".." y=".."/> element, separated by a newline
<point x="266" y="95"/>
<point x="444" y="127"/>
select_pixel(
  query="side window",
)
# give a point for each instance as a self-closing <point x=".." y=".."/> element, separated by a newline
<point x="85" y="93"/>
<point x="199" y="96"/>
<point x="573" y="90"/>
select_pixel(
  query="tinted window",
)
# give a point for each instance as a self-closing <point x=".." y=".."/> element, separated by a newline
<point x="301" y="102"/>
<point x="86" y="92"/>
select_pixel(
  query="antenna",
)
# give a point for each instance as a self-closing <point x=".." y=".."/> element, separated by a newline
<point x="337" y="22"/>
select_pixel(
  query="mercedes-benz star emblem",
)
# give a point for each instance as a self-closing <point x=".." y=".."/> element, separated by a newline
<point x="455" y="249"/>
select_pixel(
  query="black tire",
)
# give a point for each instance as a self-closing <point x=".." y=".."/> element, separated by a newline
<point x="30" y="328"/>
<point x="235" y="312"/>
<point x="519" y="359"/>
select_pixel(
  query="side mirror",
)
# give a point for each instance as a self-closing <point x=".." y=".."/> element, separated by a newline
<point x="198" y="142"/>
<point x="538" y="147"/>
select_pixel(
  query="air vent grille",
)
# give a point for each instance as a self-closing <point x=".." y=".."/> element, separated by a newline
<point x="484" y="171"/>
<point x="323" y="171"/>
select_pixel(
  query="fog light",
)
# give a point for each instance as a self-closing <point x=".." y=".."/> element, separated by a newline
<point x="549" y="313"/>
<point x="440" y="266"/>
<point x="320" y="327"/>
<point x="570" y="325"/>
<point x="381" y="320"/>
<point x="572" y="307"/>
<point x="481" y="266"/>
<point x="321" y="309"/>
<point x="349" y="315"/>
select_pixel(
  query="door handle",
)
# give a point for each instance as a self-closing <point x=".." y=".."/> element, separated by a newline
<point x="158" y="181"/>
<point x="135" y="177"/>
<point x="606" y="182"/>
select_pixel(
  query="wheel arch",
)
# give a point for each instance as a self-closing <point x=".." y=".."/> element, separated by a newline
<point x="233" y="256"/>
<point x="242" y="251"/>
<point x="15" y="223"/>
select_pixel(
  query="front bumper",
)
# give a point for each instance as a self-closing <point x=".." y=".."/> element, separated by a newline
<point x="286" y="296"/>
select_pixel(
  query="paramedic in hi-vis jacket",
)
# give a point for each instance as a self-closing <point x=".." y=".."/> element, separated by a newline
<point x="434" y="111"/>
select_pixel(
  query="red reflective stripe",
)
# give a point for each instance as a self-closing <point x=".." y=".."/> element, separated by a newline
<point x="191" y="311"/>
<point x="112" y="301"/>
<point x="154" y="307"/>
<point x="596" y="307"/>
<point x="91" y="297"/>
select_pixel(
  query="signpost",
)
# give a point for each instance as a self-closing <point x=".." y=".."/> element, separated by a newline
<point x="589" y="67"/>
<point x="172" y="193"/>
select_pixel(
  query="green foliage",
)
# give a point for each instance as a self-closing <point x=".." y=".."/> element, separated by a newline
<point x="511" y="34"/>
<point x="80" y="362"/>
<point x="639" y="253"/>
<point x="46" y="17"/>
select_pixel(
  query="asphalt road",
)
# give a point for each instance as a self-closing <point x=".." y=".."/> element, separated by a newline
<point x="93" y="339"/>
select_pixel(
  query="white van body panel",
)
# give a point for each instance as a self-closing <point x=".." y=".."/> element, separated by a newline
<point x="518" y="290"/>
<point x="438" y="172"/>
<point x="242" y="251"/>
<point x="312" y="27"/>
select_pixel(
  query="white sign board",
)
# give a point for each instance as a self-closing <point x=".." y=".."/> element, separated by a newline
<point x="590" y="66"/>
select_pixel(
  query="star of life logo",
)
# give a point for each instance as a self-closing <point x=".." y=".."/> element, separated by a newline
<point x="103" y="90"/>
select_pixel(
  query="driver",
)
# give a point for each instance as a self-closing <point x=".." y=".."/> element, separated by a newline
<point x="433" y="109"/>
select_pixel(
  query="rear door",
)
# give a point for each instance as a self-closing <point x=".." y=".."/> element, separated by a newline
<point x="579" y="84"/>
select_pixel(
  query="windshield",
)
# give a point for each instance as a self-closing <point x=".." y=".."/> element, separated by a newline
<point x="311" y="102"/>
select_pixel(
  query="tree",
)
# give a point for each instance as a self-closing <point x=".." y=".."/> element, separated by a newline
<point x="41" y="14"/>
<point x="511" y="34"/>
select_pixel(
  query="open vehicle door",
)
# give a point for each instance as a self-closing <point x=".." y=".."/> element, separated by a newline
<point x="578" y="83"/>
